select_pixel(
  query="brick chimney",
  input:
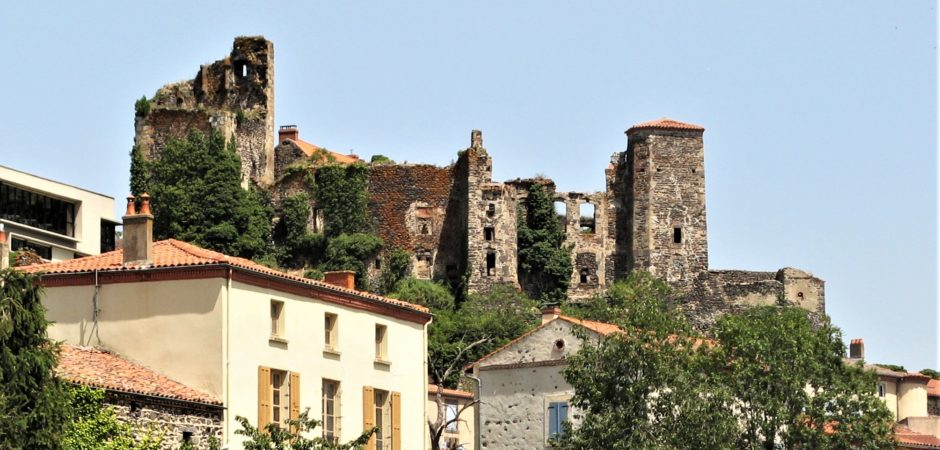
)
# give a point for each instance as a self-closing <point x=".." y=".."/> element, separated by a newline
<point x="550" y="313"/>
<point x="4" y="249"/>
<point x="857" y="349"/>
<point x="287" y="132"/>
<point x="138" y="231"/>
<point x="342" y="278"/>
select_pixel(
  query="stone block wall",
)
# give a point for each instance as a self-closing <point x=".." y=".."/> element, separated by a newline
<point x="169" y="419"/>
<point x="591" y="244"/>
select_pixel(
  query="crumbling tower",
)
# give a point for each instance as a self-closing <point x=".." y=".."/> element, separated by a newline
<point x="234" y="96"/>
<point x="666" y="201"/>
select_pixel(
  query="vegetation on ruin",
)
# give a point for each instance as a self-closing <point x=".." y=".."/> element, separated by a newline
<point x="94" y="425"/>
<point x="544" y="259"/>
<point x="381" y="159"/>
<point x="142" y="106"/>
<point x="140" y="172"/>
<point x="341" y="193"/>
<point x="296" y="434"/>
<point x="396" y="266"/>
<point x="931" y="373"/>
<point x="298" y="246"/>
<point x="770" y="379"/>
<point x="198" y="198"/>
<point x="352" y="252"/>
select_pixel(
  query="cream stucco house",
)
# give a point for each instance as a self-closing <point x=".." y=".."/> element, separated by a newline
<point x="266" y="344"/>
<point x="459" y="417"/>
<point x="58" y="221"/>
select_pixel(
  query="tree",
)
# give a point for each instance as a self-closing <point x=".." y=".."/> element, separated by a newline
<point x="95" y="426"/>
<point x="341" y="193"/>
<point x="292" y="436"/>
<point x="931" y="373"/>
<point x="397" y="266"/>
<point x="140" y="172"/>
<point x="299" y="246"/>
<point x="33" y="403"/>
<point x="544" y="260"/>
<point x="198" y="198"/>
<point x="791" y="384"/>
<point x="350" y="252"/>
<point x="439" y="424"/>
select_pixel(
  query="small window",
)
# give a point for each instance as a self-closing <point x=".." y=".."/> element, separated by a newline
<point x="881" y="389"/>
<point x="490" y="264"/>
<point x="450" y="417"/>
<point x="381" y="343"/>
<point x="331" y="414"/>
<point x="491" y="210"/>
<point x="277" y="319"/>
<point x="377" y="263"/>
<point x="279" y="402"/>
<point x="187" y="437"/>
<point x="330" y="338"/>
<point x="488" y="233"/>
<point x="584" y="276"/>
<point x="383" y="420"/>
<point x="677" y="235"/>
<point x="557" y="416"/>
<point x="561" y="211"/>
<point x="587" y="218"/>
<point x="425" y="229"/>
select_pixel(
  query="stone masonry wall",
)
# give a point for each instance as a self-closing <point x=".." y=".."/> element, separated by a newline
<point x="168" y="419"/>
<point x="590" y="244"/>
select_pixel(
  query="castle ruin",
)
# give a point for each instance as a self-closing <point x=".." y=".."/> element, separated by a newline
<point x="456" y="221"/>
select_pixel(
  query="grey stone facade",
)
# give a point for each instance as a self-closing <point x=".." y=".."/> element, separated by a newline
<point x="175" y="421"/>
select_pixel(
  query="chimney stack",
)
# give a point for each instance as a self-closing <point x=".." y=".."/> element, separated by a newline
<point x="287" y="132"/>
<point x="550" y="313"/>
<point x="138" y="231"/>
<point x="4" y="249"/>
<point x="476" y="139"/>
<point x="342" y="278"/>
<point x="857" y="349"/>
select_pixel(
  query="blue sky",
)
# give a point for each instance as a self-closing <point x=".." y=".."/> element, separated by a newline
<point x="821" y="117"/>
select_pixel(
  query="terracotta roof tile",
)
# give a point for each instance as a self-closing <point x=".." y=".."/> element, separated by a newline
<point x="101" y="369"/>
<point x="173" y="253"/>
<point x="933" y="388"/>
<point x="597" y="327"/>
<point x="309" y="149"/>
<point x="432" y="389"/>
<point x="665" y="124"/>
<point x="906" y="436"/>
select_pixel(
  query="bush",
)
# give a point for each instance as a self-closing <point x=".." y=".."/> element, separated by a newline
<point x="435" y="296"/>
<point x="350" y="252"/>
<point x="142" y="107"/>
<point x="397" y="266"/>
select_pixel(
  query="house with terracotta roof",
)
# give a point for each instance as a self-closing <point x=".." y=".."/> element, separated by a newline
<point x="524" y="398"/>
<point x="459" y="415"/>
<point x="142" y="397"/>
<point x="266" y="344"/>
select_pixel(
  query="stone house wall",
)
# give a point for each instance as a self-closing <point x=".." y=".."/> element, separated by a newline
<point x="173" y="420"/>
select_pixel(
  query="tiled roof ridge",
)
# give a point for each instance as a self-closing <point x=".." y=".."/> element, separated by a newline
<point x="432" y="389"/>
<point x="906" y="436"/>
<point x="101" y="368"/>
<point x="665" y="123"/>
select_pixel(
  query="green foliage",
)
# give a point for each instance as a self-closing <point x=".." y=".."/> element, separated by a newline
<point x="240" y="117"/>
<point x="427" y="293"/>
<point x="95" y="426"/>
<point x="140" y="173"/>
<point x="650" y="297"/>
<point x="198" y="198"/>
<point x="893" y="367"/>
<point x="381" y="159"/>
<point x="293" y="436"/>
<point x="350" y="252"/>
<point x="142" y="107"/>
<point x="775" y="355"/>
<point x="341" y="193"/>
<point x="499" y="316"/>
<point x="300" y="246"/>
<point x="544" y="260"/>
<point x="313" y="274"/>
<point x="931" y="373"/>
<point x="33" y="403"/>
<point x="396" y="266"/>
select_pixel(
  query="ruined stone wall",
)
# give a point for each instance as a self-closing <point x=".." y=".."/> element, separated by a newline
<point x="413" y="208"/>
<point x="667" y="229"/>
<point x="933" y="406"/>
<point x="169" y="419"/>
<point x="590" y="242"/>
<point x="234" y="96"/>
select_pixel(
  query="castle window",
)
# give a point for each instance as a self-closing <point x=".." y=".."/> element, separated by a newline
<point x="422" y="268"/>
<point x="584" y="276"/>
<point x="588" y="218"/>
<point x="491" y="210"/>
<point x="561" y="211"/>
<point x="490" y="264"/>
<point x="677" y="235"/>
<point x="425" y="229"/>
<point x="488" y="233"/>
<point x="241" y="70"/>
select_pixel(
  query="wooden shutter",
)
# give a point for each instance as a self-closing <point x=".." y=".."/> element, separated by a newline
<point x="368" y="412"/>
<point x="294" y="395"/>
<point x="552" y="420"/>
<point x="562" y="417"/>
<point x="264" y="397"/>
<point x="396" y="421"/>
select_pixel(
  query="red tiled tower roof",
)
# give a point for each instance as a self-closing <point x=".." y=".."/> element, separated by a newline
<point x="665" y="124"/>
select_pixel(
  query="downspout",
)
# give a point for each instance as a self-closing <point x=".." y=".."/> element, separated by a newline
<point x="476" y="411"/>
<point x="226" y="364"/>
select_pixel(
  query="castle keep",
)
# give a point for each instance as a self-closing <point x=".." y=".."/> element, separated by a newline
<point x="456" y="221"/>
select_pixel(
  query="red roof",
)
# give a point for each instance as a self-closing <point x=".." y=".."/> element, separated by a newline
<point x="908" y="437"/>
<point x="101" y="369"/>
<point x="309" y="150"/>
<point x="432" y="389"/>
<point x="933" y="388"/>
<point x="173" y="253"/>
<point x="665" y="124"/>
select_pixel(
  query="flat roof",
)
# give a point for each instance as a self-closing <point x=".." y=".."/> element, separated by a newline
<point x="57" y="182"/>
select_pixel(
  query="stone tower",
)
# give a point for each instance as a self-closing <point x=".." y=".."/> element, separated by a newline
<point x="666" y="201"/>
<point x="234" y="96"/>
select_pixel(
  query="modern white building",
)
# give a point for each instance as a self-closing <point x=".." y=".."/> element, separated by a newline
<point x="58" y="221"/>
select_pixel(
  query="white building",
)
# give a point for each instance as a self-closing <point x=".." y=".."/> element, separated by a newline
<point x="56" y="220"/>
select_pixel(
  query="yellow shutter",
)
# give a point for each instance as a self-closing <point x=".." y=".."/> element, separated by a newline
<point x="294" y="395"/>
<point x="368" y="412"/>
<point x="264" y="397"/>
<point x="396" y="421"/>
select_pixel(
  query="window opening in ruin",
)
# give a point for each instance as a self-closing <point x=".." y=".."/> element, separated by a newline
<point x="425" y="229"/>
<point x="677" y="235"/>
<point x="241" y="70"/>
<point x="561" y="211"/>
<point x="490" y="264"/>
<point x="378" y="263"/>
<point x="422" y="268"/>
<point x="584" y="276"/>
<point x="587" y="220"/>
<point x="491" y="210"/>
<point x="187" y="437"/>
<point x="488" y="233"/>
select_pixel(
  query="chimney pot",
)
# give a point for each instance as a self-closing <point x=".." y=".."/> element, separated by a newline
<point x="131" y="209"/>
<point x="342" y="278"/>
<point x="857" y="349"/>
<point x="144" y="203"/>
<point x="138" y="232"/>
<point x="287" y="132"/>
<point x="550" y="313"/>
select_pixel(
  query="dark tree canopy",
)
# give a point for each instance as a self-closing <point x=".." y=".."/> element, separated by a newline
<point x="544" y="259"/>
